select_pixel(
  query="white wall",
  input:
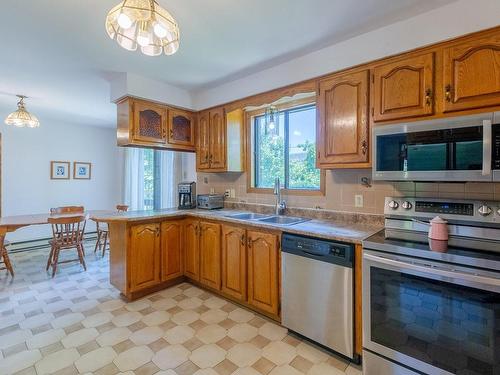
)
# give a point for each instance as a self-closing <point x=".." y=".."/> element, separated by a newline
<point x="455" y="19"/>
<point x="26" y="184"/>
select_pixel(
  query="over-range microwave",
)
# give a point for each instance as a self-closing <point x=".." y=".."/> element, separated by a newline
<point x="455" y="149"/>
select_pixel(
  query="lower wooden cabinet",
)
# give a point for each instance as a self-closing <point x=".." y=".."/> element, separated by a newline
<point x="145" y="255"/>
<point x="234" y="262"/>
<point x="210" y="255"/>
<point x="192" y="249"/>
<point x="171" y="250"/>
<point x="263" y="271"/>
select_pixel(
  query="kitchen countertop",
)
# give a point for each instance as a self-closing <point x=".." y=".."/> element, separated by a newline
<point x="326" y="229"/>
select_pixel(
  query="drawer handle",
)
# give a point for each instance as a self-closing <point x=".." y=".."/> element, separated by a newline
<point x="447" y="93"/>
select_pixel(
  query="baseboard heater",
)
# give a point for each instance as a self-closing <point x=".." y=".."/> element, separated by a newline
<point x="41" y="243"/>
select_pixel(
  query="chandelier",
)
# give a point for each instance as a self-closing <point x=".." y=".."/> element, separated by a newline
<point x="22" y="117"/>
<point x="144" y="24"/>
<point x="272" y="117"/>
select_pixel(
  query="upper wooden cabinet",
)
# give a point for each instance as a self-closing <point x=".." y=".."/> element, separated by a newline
<point x="145" y="256"/>
<point x="172" y="249"/>
<point x="343" y="127"/>
<point x="220" y="141"/>
<point x="404" y="88"/>
<point x="146" y="124"/>
<point x="210" y="255"/>
<point x="471" y="73"/>
<point x="181" y="129"/>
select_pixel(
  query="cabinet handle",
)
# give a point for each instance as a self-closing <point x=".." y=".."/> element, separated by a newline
<point x="171" y="133"/>
<point x="249" y="242"/>
<point x="364" y="147"/>
<point x="157" y="232"/>
<point x="164" y="133"/>
<point x="243" y="240"/>
<point x="447" y="93"/>
<point x="428" y="96"/>
<point x="206" y="157"/>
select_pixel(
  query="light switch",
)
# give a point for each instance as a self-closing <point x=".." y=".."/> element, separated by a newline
<point x="358" y="200"/>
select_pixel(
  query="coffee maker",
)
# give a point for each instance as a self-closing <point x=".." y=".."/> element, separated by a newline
<point x="187" y="195"/>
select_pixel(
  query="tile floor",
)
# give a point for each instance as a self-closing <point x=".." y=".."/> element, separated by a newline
<point x="76" y="323"/>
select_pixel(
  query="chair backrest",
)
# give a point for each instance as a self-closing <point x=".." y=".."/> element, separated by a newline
<point x="68" y="230"/>
<point x="67" y="210"/>
<point x="122" y="208"/>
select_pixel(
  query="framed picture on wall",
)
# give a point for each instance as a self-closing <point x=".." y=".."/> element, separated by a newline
<point x="59" y="170"/>
<point x="81" y="170"/>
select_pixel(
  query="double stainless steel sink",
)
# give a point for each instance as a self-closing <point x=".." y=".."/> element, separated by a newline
<point x="270" y="219"/>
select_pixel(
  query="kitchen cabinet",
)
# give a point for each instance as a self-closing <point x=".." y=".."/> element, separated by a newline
<point x="234" y="262"/>
<point x="263" y="271"/>
<point x="192" y="249"/>
<point x="220" y="146"/>
<point x="146" y="124"/>
<point x="404" y="87"/>
<point x="181" y="129"/>
<point x="343" y="126"/>
<point x="145" y="257"/>
<point x="171" y="250"/>
<point x="210" y="255"/>
<point x="471" y="73"/>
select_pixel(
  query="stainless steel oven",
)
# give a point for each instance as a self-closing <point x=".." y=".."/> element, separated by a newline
<point x="457" y="149"/>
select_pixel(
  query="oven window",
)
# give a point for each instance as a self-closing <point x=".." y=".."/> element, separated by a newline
<point x="452" y="327"/>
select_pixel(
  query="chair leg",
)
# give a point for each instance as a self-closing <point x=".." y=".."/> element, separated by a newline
<point x="98" y="242"/>
<point x="6" y="260"/>
<point x="79" y="249"/>
<point x="55" y="260"/>
<point x="105" y="244"/>
<point x="51" y="255"/>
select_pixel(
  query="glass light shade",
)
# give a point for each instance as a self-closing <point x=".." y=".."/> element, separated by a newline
<point x="22" y="118"/>
<point x="144" y="23"/>
<point x="272" y="117"/>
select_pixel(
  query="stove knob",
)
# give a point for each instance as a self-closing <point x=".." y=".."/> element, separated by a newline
<point x="407" y="205"/>
<point x="394" y="205"/>
<point x="484" y="210"/>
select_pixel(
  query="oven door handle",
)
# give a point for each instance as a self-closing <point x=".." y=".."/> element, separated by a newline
<point x="487" y="147"/>
<point x="477" y="279"/>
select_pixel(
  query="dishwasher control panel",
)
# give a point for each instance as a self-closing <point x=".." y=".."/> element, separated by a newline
<point x="322" y="250"/>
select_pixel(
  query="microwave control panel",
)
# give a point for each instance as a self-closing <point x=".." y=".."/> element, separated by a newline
<point x="496" y="147"/>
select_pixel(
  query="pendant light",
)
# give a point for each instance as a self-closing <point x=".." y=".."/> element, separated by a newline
<point x="272" y="117"/>
<point x="143" y="24"/>
<point x="22" y="118"/>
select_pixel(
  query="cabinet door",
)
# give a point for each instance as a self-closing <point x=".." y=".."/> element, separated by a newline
<point x="263" y="286"/>
<point x="203" y="149"/>
<point x="192" y="249"/>
<point x="181" y="128"/>
<point x="404" y="88"/>
<point x="234" y="262"/>
<point x="343" y="119"/>
<point x="217" y="139"/>
<point x="150" y="123"/>
<point x="472" y="74"/>
<point x="210" y="255"/>
<point x="145" y="256"/>
<point x="171" y="255"/>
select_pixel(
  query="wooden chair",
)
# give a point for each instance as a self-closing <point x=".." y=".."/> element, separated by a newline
<point x="67" y="210"/>
<point x="4" y="258"/>
<point x="103" y="232"/>
<point x="67" y="233"/>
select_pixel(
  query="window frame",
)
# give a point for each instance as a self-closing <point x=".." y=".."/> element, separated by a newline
<point x="252" y="152"/>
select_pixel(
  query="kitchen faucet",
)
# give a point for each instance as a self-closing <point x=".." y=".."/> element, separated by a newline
<point x="280" y="206"/>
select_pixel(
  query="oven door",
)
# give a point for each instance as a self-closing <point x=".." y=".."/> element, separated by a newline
<point x="432" y="317"/>
<point x="439" y="150"/>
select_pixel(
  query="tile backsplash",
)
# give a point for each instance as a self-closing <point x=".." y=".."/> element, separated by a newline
<point x="343" y="185"/>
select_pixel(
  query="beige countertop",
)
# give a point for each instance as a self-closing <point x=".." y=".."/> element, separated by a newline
<point x="327" y="229"/>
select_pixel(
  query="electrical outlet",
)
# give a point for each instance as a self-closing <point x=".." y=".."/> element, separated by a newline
<point x="233" y="193"/>
<point x="212" y="191"/>
<point x="358" y="200"/>
<point x="227" y="193"/>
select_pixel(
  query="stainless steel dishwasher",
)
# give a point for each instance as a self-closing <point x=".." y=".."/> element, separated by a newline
<point x="317" y="281"/>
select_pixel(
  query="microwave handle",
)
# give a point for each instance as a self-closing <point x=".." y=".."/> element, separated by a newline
<point x="487" y="147"/>
<point x="476" y="279"/>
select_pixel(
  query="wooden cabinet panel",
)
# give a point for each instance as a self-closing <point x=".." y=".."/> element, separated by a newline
<point x="472" y="74"/>
<point x="217" y="137"/>
<point x="145" y="256"/>
<point x="172" y="248"/>
<point x="203" y="151"/>
<point x="181" y="129"/>
<point x="263" y="284"/>
<point x="404" y="88"/>
<point x="192" y="249"/>
<point x="149" y="122"/>
<point x="234" y="262"/>
<point x="343" y="119"/>
<point x="210" y="255"/>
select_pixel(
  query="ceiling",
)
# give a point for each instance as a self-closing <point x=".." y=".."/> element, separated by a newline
<point x="58" y="53"/>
